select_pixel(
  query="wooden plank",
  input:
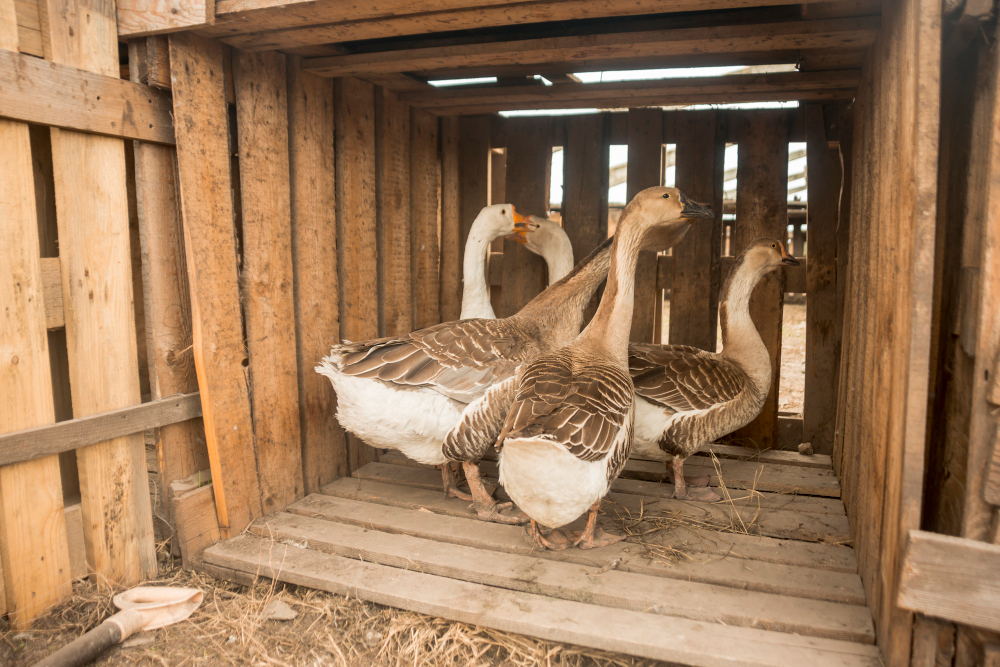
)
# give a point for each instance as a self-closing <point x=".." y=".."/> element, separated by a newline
<point x="55" y="318"/>
<point x="951" y="578"/>
<point x="474" y="174"/>
<point x="314" y="265"/>
<point x="60" y="95"/>
<point x="761" y="210"/>
<point x="29" y="28"/>
<point x="78" y="567"/>
<point x="425" y="217"/>
<point x="95" y="256"/>
<point x="648" y="635"/>
<point x="779" y="86"/>
<point x="180" y="449"/>
<point x="613" y="589"/>
<point x="586" y="158"/>
<point x="157" y="62"/>
<point x="583" y="51"/>
<point x="772" y="521"/>
<point x="146" y="17"/>
<point x="357" y="247"/>
<point x="695" y="267"/>
<point x="33" y="443"/>
<point x="210" y="245"/>
<point x="392" y="212"/>
<point x="267" y="294"/>
<point x="770" y="456"/>
<point x="824" y="177"/>
<point x="35" y="562"/>
<point x="193" y="507"/>
<point x="529" y="146"/>
<point x="451" y="223"/>
<point x="645" y="139"/>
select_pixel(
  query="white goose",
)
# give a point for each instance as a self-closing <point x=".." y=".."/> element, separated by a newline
<point x="569" y="431"/>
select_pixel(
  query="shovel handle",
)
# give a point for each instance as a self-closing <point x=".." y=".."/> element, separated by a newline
<point x="86" y="648"/>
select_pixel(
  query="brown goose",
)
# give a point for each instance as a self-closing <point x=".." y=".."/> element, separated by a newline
<point x="569" y="430"/>
<point x="406" y="393"/>
<point x="687" y="398"/>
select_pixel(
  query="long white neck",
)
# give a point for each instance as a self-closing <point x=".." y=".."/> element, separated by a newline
<point x="741" y="342"/>
<point x="558" y="255"/>
<point x="475" y="291"/>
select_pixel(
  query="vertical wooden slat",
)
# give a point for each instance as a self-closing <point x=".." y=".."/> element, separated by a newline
<point x="645" y="138"/>
<point x="694" y="279"/>
<point x="586" y="158"/>
<point x="210" y="245"/>
<point x="473" y="171"/>
<point x="262" y="117"/>
<point x="762" y="210"/>
<point x="451" y="224"/>
<point x="529" y="159"/>
<point x="180" y="449"/>
<point x="425" y="196"/>
<point x="357" y="246"/>
<point x="34" y="558"/>
<point x="820" y="403"/>
<point x="392" y="205"/>
<point x="92" y="211"/>
<point x="314" y="265"/>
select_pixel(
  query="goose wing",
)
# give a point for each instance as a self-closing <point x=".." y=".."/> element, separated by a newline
<point x="583" y="407"/>
<point x="683" y="378"/>
<point x="459" y="359"/>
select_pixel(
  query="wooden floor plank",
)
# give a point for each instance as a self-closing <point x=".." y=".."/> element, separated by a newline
<point x="648" y="635"/>
<point x="719" y="561"/>
<point x="769" y="456"/>
<point x="620" y="590"/>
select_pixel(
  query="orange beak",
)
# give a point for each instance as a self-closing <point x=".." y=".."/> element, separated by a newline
<point x="786" y="258"/>
<point x="522" y="225"/>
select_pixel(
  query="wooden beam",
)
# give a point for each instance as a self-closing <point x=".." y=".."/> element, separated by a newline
<point x="34" y="443"/>
<point x="951" y="578"/>
<point x="60" y="95"/>
<point x="529" y="147"/>
<point x="267" y="296"/>
<point x="761" y="210"/>
<point x="579" y="51"/>
<point x="192" y="504"/>
<point x="781" y="86"/>
<point x="645" y="140"/>
<point x="695" y="280"/>
<point x="473" y="173"/>
<point x="205" y="188"/>
<point x="819" y="412"/>
<point x="314" y="263"/>
<point x="55" y="317"/>
<point x="451" y="223"/>
<point x="95" y="257"/>
<point x="146" y="17"/>
<point x="303" y="23"/>
<point x="425" y="211"/>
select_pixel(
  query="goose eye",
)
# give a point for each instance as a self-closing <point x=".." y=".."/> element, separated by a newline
<point x="666" y="195"/>
<point x="503" y="211"/>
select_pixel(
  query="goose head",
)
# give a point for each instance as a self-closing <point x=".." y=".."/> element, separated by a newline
<point x="662" y="216"/>
<point x="498" y="220"/>
<point x="764" y="255"/>
<point x="547" y="238"/>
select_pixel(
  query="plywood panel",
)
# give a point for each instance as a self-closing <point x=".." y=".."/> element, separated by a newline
<point x="314" y="266"/>
<point x="761" y="210"/>
<point x="529" y="147"/>
<point x="695" y="279"/>
<point x="268" y="296"/>
<point x="95" y="257"/>
<point x="425" y="217"/>
<point x="210" y="244"/>
<point x="392" y="204"/>
<point x="645" y="139"/>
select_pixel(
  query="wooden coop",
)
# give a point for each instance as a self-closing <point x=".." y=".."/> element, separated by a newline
<point x="198" y="198"/>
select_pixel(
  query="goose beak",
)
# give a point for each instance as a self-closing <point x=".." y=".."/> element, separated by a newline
<point x="787" y="258"/>
<point x="522" y="225"/>
<point x="518" y="218"/>
<point x="693" y="209"/>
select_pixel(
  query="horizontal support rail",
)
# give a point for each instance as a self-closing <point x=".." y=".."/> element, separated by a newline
<point x="46" y="93"/>
<point x="42" y="441"/>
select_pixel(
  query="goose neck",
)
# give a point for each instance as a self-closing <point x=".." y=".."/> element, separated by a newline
<point x="475" y="291"/>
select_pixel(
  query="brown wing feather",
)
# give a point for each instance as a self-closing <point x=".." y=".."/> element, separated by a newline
<point x="683" y="378"/>
<point x="582" y="406"/>
<point x="460" y="359"/>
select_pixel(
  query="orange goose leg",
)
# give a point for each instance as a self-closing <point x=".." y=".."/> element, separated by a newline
<point x="682" y="492"/>
<point x="451" y="489"/>
<point x="593" y="537"/>
<point x="486" y="508"/>
<point x="556" y="541"/>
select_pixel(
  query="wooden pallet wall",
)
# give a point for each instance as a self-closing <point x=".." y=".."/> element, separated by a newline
<point x="887" y="328"/>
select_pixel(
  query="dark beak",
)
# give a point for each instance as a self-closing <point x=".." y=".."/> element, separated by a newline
<point x="693" y="209"/>
<point x="788" y="259"/>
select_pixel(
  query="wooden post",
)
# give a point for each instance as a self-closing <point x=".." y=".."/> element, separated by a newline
<point x="645" y="137"/>
<point x="314" y="265"/>
<point x="451" y="223"/>
<point x="95" y="257"/>
<point x="268" y="294"/>
<point x="220" y="357"/>
<point x="762" y="210"/>
<point x="586" y="158"/>
<point x="694" y="279"/>
<point x="425" y="198"/>
<point x="35" y="563"/>
<point x="180" y="449"/>
<point x="392" y="206"/>
<point x="529" y="159"/>
<point x="473" y="171"/>
<point x="820" y="406"/>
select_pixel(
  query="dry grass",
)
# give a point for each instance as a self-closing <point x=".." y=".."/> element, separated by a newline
<point x="330" y="630"/>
